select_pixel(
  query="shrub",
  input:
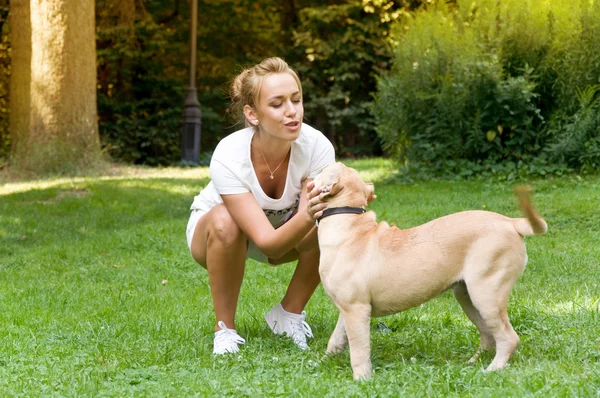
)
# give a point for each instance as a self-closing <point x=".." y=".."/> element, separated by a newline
<point x="575" y="54"/>
<point x="139" y="104"/>
<point x="448" y="97"/>
<point x="576" y="139"/>
<point x="473" y="82"/>
<point x="338" y="50"/>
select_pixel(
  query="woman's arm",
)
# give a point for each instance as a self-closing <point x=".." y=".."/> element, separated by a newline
<point x="274" y="243"/>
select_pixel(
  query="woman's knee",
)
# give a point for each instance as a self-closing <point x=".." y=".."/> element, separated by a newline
<point x="215" y="231"/>
<point x="223" y="229"/>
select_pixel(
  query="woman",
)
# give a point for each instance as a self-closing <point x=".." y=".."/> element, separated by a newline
<point x="255" y="207"/>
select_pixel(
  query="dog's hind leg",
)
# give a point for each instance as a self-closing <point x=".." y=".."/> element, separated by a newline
<point x="487" y="341"/>
<point x="490" y="297"/>
<point x="339" y="339"/>
<point x="507" y="341"/>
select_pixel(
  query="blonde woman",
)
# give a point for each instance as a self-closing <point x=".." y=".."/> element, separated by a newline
<point x="261" y="203"/>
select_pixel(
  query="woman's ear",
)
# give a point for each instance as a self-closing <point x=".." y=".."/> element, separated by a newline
<point x="251" y="115"/>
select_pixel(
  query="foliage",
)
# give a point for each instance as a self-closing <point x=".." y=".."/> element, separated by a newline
<point x="523" y="170"/>
<point x="143" y="69"/>
<point x="448" y="98"/>
<point x="475" y="82"/>
<point x="139" y="106"/>
<point x="231" y="35"/>
<point x="102" y="298"/>
<point x="338" y="50"/>
<point x="574" y="57"/>
<point x="140" y="117"/>
<point x="577" y="136"/>
<point x="4" y="82"/>
<point x="136" y="102"/>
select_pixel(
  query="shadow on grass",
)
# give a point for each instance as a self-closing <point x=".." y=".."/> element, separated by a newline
<point x="96" y="210"/>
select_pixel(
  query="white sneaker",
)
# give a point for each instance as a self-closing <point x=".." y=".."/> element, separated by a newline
<point x="226" y="340"/>
<point x="282" y="322"/>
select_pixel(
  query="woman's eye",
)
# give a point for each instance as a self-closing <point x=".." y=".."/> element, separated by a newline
<point x="275" y="105"/>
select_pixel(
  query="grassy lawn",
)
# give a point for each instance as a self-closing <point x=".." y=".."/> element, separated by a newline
<point x="100" y="297"/>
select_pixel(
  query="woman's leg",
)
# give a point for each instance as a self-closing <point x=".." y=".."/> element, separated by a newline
<point x="288" y="316"/>
<point x="220" y="246"/>
<point x="306" y="277"/>
<point x="303" y="283"/>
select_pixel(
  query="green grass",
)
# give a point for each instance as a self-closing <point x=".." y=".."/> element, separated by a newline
<point x="100" y="297"/>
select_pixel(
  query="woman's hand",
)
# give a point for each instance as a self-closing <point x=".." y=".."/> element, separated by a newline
<point x="314" y="204"/>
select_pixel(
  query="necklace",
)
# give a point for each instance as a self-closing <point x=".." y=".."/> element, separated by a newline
<point x="276" y="168"/>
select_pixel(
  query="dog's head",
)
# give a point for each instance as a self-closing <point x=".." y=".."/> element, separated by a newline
<point x="342" y="186"/>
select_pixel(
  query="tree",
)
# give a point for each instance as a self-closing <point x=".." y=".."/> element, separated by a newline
<point x="53" y="119"/>
<point x="339" y="48"/>
<point x="20" y="82"/>
<point x="4" y="81"/>
<point x="288" y="20"/>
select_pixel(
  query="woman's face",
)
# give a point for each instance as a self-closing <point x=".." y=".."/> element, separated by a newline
<point x="280" y="110"/>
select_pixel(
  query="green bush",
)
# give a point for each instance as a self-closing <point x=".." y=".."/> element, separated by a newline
<point x="140" y="104"/>
<point x="474" y="82"/>
<point x="577" y="137"/>
<point x="338" y="50"/>
<point x="448" y="97"/>
<point x="575" y="54"/>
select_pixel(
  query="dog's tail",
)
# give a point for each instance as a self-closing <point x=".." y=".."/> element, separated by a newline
<point x="533" y="223"/>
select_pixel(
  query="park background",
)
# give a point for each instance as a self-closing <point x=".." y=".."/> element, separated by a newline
<point x="445" y="106"/>
<point x="451" y="87"/>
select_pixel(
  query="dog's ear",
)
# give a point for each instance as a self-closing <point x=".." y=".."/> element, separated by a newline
<point x="330" y="182"/>
<point x="330" y="189"/>
<point x="369" y="191"/>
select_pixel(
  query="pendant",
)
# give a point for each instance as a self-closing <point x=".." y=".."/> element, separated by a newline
<point x="271" y="176"/>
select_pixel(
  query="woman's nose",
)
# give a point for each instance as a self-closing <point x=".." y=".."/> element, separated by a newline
<point x="290" y="109"/>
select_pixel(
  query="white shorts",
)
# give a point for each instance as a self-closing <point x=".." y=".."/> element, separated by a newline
<point x="252" y="252"/>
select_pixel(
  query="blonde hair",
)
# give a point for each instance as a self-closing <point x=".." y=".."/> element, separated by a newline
<point x="245" y="88"/>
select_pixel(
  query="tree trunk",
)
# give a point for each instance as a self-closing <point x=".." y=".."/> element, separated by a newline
<point x="55" y="124"/>
<point x="20" y="79"/>
<point x="126" y="10"/>
<point x="288" y="19"/>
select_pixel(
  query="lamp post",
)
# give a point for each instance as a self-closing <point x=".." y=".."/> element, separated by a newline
<point x="192" y="116"/>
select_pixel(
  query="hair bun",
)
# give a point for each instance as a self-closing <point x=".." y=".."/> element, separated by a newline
<point x="235" y="91"/>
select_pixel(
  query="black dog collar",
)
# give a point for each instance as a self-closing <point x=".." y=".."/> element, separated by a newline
<point x="340" y="210"/>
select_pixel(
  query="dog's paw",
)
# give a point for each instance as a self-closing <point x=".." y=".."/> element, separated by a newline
<point x="493" y="368"/>
<point x="363" y="375"/>
<point x="333" y="352"/>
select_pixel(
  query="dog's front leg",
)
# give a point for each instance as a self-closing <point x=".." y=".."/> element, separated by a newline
<point x="339" y="339"/>
<point x="356" y="318"/>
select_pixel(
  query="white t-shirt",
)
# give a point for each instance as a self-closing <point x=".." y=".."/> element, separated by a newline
<point x="231" y="172"/>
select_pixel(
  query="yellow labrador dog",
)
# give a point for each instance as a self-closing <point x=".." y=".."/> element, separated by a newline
<point x="370" y="269"/>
